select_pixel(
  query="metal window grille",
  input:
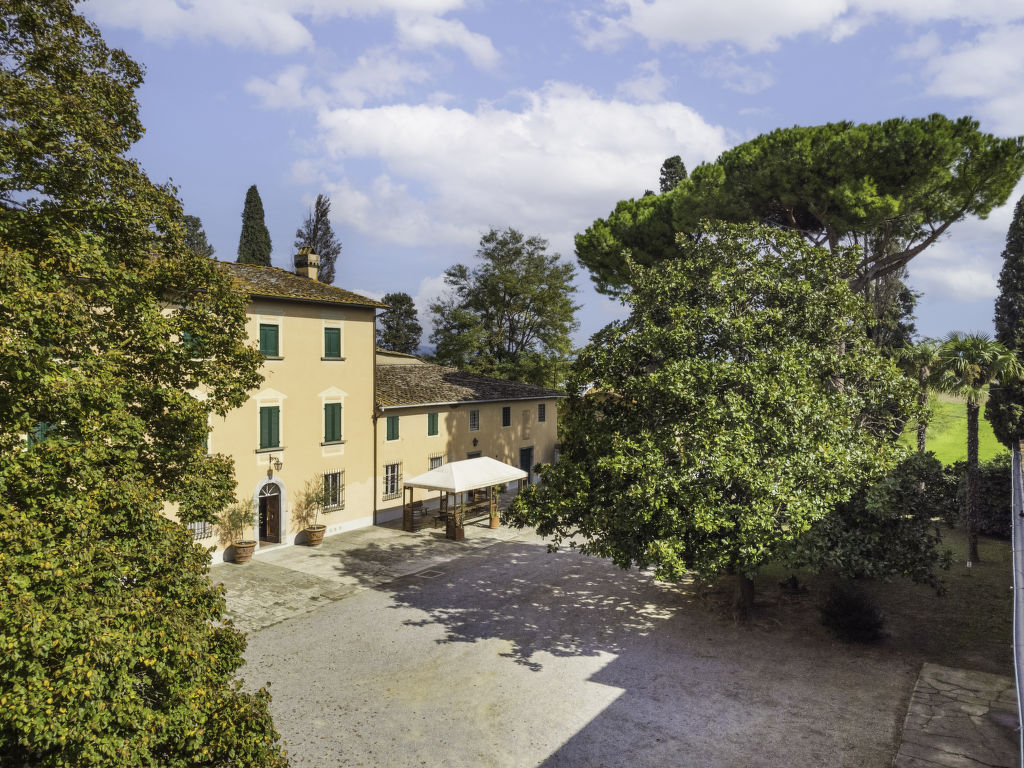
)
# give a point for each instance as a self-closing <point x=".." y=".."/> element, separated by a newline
<point x="201" y="530"/>
<point x="542" y="412"/>
<point x="392" y="481"/>
<point x="435" y="460"/>
<point x="506" y="416"/>
<point x="474" y="421"/>
<point x="334" y="490"/>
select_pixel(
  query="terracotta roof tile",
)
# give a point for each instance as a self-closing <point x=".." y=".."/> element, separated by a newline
<point x="278" y="283"/>
<point x="422" y="384"/>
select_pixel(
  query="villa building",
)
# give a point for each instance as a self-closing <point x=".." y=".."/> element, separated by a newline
<point x="332" y="405"/>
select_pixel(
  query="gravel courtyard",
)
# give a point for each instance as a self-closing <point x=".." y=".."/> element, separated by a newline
<point x="510" y="656"/>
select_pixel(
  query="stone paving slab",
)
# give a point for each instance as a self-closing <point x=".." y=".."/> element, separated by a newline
<point x="960" y="718"/>
<point x="290" y="581"/>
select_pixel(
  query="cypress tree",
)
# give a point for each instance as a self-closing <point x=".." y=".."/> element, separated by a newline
<point x="317" y="235"/>
<point x="1005" y="406"/>
<point x="254" y="242"/>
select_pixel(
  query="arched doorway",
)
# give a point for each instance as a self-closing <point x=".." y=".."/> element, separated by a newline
<point x="270" y="514"/>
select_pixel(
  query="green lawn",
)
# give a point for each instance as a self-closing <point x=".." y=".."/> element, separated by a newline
<point x="947" y="432"/>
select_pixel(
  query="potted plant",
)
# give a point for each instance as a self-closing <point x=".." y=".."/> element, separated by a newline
<point x="307" y="511"/>
<point x="233" y="519"/>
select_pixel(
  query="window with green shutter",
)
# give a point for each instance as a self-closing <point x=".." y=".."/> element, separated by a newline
<point x="431" y="424"/>
<point x="392" y="428"/>
<point x="332" y="422"/>
<point x="269" y="346"/>
<point x="332" y="342"/>
<point x="270" y="426"/>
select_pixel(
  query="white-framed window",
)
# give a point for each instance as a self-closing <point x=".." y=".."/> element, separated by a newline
<point x="392" y="481"/>
<point x="435" y="460"/>
<point x="474" y="420"/>
<point x="200" y="530"/>
<point x="334" y="490"/>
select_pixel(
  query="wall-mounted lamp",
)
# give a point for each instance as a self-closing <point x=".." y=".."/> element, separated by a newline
<point x="273" y="462"/>
<point x="474" y="442"/>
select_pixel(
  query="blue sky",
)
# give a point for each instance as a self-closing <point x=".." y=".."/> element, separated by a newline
<point x="429" y="121"/>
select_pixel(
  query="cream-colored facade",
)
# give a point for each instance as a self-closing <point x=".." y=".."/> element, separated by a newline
<point x="524" y="442"/>
<point x="318" y="414"/>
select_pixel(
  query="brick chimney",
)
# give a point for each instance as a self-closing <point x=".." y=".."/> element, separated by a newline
<point x="307" y="263"/>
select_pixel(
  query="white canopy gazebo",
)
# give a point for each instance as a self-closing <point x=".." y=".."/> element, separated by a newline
<point x="458" y="478"/>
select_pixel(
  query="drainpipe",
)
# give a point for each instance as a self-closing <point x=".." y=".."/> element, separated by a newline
<point x="373" y="415"/>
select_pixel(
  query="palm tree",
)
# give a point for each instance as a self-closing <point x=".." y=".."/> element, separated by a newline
<point x="917" y="361"/>
<point x="967" y="363"/>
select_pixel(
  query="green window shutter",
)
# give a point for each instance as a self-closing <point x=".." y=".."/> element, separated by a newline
<point x="270" y="426"/>
<point x="332" y="342"/>
<point x="332" y="422"/>
<point x="268" y="340"/>
<point x="392" y="427"/>
<point x="431" y="424"/>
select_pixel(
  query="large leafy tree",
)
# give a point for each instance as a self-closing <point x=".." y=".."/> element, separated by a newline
<point x="729" y="412"/>
<point x="1005" y="406"/>
<point x="967" y="364"/>
<point x="112" y="648"/>
<point x="254" y="240"/>
<point x="398" y="328"/>
<point x="511" y="315"/>
<point x="893" y="188"/>
<point x="317" y="234"/>
<point x="886" y="529"/>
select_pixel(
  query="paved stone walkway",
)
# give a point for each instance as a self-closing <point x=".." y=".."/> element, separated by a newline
<point x="960" y="718"/>
<point x="290" y="581"/>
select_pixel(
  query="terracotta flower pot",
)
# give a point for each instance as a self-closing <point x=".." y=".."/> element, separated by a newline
<point x="495" y="522"/>
<point x="315" y="535"/>
<point x="243" y="551"/>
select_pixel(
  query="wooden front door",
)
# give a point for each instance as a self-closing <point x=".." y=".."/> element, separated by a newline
<point x="270" y="514"/>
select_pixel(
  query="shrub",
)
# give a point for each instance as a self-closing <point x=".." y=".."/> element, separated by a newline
<point x="994" y="515"/>
<point x="853" y="615"/>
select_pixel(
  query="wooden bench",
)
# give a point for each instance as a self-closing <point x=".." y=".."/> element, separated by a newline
<point x="474" y="511"/>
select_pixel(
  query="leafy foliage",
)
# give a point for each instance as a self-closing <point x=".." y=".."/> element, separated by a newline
<point x="725" y="416"/>
<point x="917" y="362"/>
<point x="853" y="615"/>
<point x="1005" y="407"/>
<point x="112" y="650"/>
<point x="994" y="515"/>
<point x="672" y="173"/>
<point x="311" y="502"/>
<point x="512" y="315"/>
<point x="967" y="364"/>
<point x="317" y="234"/>
<point x="893" y="188"/>
<point x="254" y="241"/>
<point x="887" y="528"/>
<point x="399" y="328"/>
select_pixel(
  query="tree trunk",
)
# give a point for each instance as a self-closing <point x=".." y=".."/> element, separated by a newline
<point x="973" y="485"/>
<point x="744" y="595"/>
<point x="922" y="399"/>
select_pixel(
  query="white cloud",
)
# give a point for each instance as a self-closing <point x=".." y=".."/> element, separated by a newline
<point x="378" y="74"/>
<point x="759" y="26"/>
<point x="267" y="25"/>
<point x="424" y="31"/>
<point x="989" y="71"/>
<point x="926" y="46"/>
<point x="450" y="174"/>
<point x="648" y="85"/>
<point x="735" y="76"/>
